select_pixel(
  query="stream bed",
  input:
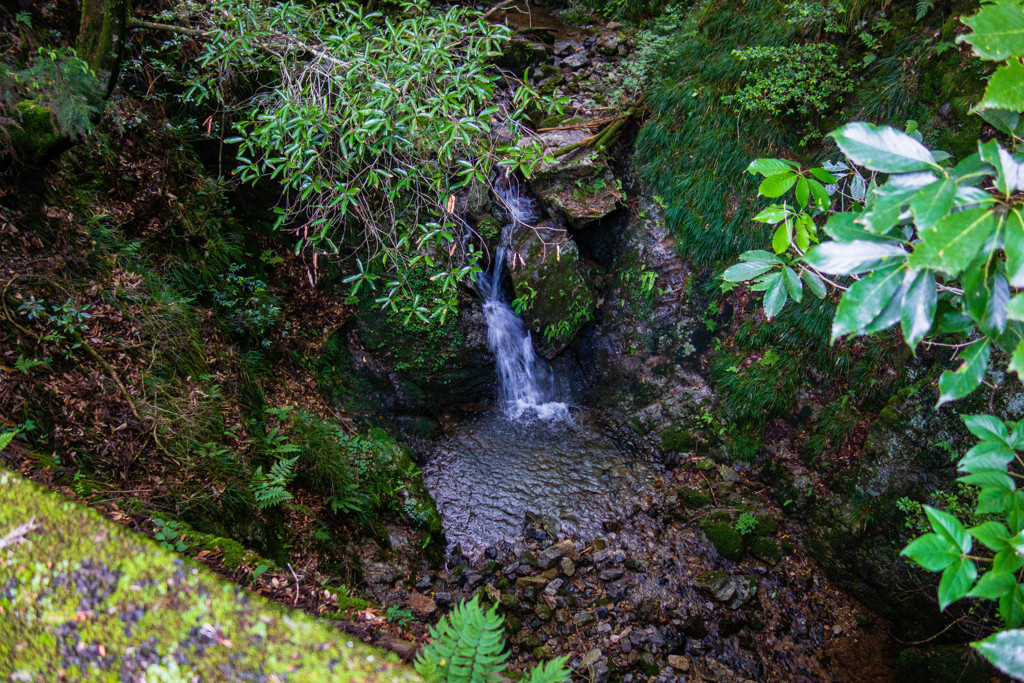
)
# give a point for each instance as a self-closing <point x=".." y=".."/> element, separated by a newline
<point x="492" y="470"/>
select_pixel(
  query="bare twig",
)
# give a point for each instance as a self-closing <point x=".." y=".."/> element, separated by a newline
<point x="17" y="534"/>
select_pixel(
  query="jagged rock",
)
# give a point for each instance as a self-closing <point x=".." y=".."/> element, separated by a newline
<point x="549" y="557"/>
<point x="535" y="582"/>
<point x="567" y="567"/>
<point x="609" y="44"/>
<point x="564" y="48"/>
<point x="609" y="574"/>
<point x="732" y="590"/>
<point x="576" y="60"/>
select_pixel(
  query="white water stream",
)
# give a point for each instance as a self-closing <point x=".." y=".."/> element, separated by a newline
<point x="526" y="385"/>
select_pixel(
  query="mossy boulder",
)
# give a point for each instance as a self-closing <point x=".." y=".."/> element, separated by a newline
<point x="727" y="541"/>
<point x="765" y="549"/>
<point x="692" y="498"/>
<point x="578" y="187"/>
<point x="554" y="285"/>
<point x="35" y="134"/>
<point x="84" y="597"/>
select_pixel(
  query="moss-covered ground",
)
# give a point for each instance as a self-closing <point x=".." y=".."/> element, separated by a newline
<point x="83" y="599"/>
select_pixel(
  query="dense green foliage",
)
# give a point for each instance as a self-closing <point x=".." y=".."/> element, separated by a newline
<point x="371" y="124"/>
<point x="468" y="647"/>
<point x="963" y="224"/>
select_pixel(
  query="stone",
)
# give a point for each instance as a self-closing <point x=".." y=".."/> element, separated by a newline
<point x="567" y="567"/>
<point x="732" y="590"/>
<point x="648" y="610"/>
<point x="563" y="48"/>
<point x="590" y="658"/>
<point x="543" y="653"/>
<point x="422" y="605"/>
<point x="615" y="592"/>
<point x="535" y="582"/>
<point x="549" y="574"/>
<point x="568" y="549"/>
<point x="609" y="44"/>
<point x="549" y="557"/>
<point x="727" y="541"/>
<point x="553" y="587"/>
<point x="582" y="619"/>
<point x="543" y="612"/>
<point x="443" y="599"/>
<point x="612" y="574"/>
<point x="509" y="602"/>
<point x="679" y="663"/>
<point x="576" y="61"/>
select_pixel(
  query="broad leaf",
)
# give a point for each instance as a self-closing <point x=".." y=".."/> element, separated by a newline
<point x="777" y="185"/>
<point x="955" y="385"/>
<point x="859" y="256"/>
<point x="775" y="298"/>
<point x="793" y="285"/>
<point x="986" y="427"/>
<point x="772" y="215"/>
<point x="882" y="148"/>
<point x="993" y="535"/>
<point x="998" y="31"/>
<point x="933" y="552"/>
<point x="989" y="479"/>
<point x="956" y="582"/>
<point x="918" y="306"/>
<point x="1009" y="167"/>
<point x="767" y="167"/>
<point x="803" y="192"/>
<point x="1016" y="363"/>
<point x="1013" y="246"/>
<point x="783" y="237"/>
<point x="741" y="272"/>
<point x="890" y="315"/>
<point x="814" y="283"/>
<point x="1005" y="650"/>
<point x="824" y="176"/>
<point x="948" y="526"/>
<point x="954" y="241"/>
<point x="932" y="203"/>
<point x="993" y="585"/>
<point x="760" y="256"/>
<point x="1009" y="122"/>
<point x="986" y="455"/>
<point x="865" y="299"/>
<point x="1011" y="607"/>
<point x="986" y="296"/>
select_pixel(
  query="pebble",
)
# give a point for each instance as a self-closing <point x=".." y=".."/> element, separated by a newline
<point x="609" y="574"/>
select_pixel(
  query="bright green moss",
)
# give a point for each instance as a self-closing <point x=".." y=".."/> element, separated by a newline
<point x="78" y="581"/>
<point x="727" y="541"/>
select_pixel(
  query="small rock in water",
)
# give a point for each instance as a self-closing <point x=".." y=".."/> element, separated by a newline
<point x="491" y="552"/>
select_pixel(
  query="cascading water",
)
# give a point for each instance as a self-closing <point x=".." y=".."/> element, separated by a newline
<point x="526" y="385"/>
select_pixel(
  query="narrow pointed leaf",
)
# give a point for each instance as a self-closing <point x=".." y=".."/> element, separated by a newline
<point x="918" y="306"/>
<point x="864" y="301"/>
<point x="1013" y="246"/>
<point x="814" y="283"/>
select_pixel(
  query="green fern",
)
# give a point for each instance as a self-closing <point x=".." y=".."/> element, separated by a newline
<point x="269" y="488"/>
<point x="468" y="647"/>
<point x="923" y="7"/>
<point x="6" y="438"/>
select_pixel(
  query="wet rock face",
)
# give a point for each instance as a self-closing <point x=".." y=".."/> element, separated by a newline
<point x="579" y="186"/>
<point x="856" y="531"/>
<point x="651" y="337"/>
<point x="555" y="286"/>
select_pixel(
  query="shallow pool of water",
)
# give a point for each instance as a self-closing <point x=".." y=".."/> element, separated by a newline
<point x="492" y="470"/>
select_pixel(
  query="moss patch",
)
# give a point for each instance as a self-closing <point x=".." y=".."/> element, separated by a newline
<point x="85" y="599"/>
<point x="692" y="498"/>
<point x="727" y="541"/>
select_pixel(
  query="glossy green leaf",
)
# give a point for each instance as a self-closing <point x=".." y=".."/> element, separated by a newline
<point x="864" y="301"/>
<point x="956" y="385"/>
<point x="775" y="298"/>
<point x="986" y="427"/>
<point x="768" y="167"/>
<point x="948" y="526"/>
<point x="993" y="535"/>
<point x="989" y="479"/>
<point x="890" y="315"/>
<point x="993" y="585"/>
<point x="986" y="295"/>
<point x="814" y="283"/>
<point x="1009" y="167"/>
<point x="1016" y="363"/>
<point x="1011" y="607"/>
<point x="918" y="306"/>
<point x="777" y="185"/>
<point x="1013" y="246"/>
<point x="824" y="176"/>
<point x="772" y="215"/>
<point x="783" y="237"/>
<point x="932" y="552"/>
<point x="1008" y="121"/>
<point x="954" y="241"/>
<point x="760" y="256"/>
<point x="956" y="582"/>
<point x="793" y="285"/>
<point x="998" y="31"/>
<point x="859" y="256"/>
<point x="882" y="148"/>
<point x="741" y="272"/>
<point x="932" y="203"/>
<point x="803" y="192"/>
<point x="986" y="455"/>
<point x="1005" y="650"/>
<point x="821" y="199"/>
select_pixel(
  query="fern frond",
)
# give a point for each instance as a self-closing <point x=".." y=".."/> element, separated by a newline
<point x="554" y="671"/>
<point x="468" y="646"/>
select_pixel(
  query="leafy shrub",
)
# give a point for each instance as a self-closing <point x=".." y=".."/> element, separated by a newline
<point x="801" y="79"/>
<point x="468" y="647"/>
<point x="59" y="81"/>
<point x="252" y="311"/>
<point x="373" y="122"/>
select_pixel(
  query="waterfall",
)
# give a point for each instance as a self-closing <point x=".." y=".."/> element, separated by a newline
<point x="526" y="385"/>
